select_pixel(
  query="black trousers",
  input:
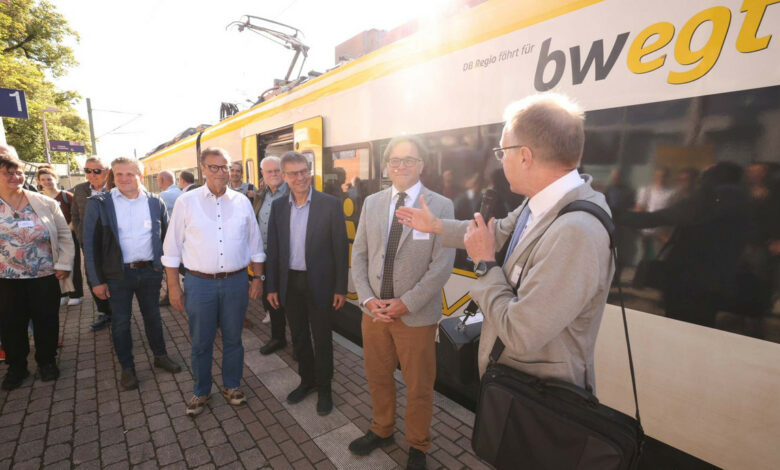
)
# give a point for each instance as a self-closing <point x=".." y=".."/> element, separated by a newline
<point x="103" y="306"/>
<point x="307" y="320"/>
<point x="22" y="300"/>
<point x="278" y="322"/>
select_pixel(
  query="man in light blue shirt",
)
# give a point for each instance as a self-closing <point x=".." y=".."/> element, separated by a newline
<point x="169" y="192"/>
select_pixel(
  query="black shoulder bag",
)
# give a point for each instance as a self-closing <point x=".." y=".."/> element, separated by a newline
<point x="523" y="421"/>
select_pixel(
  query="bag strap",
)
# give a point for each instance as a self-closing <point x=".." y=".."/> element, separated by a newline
<point x="605" y="219"/>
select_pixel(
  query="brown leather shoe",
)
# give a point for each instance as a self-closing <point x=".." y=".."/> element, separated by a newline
<point x="128" y="380"/>
<point x="166" y="363"/>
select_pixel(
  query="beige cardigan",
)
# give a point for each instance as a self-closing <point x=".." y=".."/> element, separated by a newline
<point x="62" y="246"/>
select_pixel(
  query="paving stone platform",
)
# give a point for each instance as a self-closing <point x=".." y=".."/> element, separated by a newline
<point x="84" y="421"/>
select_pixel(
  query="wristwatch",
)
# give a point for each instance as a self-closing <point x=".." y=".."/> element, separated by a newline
<point x="481" y="268"/>
<point x="262" y="277"/>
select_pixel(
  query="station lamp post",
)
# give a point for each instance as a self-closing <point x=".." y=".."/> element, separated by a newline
<point x="49" y="109"/>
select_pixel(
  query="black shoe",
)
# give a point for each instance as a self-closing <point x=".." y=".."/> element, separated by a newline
<point x="49" y="372"/>
<point x="416" y="459"/>
<point x="166" y="363"/>
<point x="324" y="402"/>
<point x="128" y="380"/>
<point x="297" y="395"/>
<point x="364" y="445"/>
<point x="271" y="346"/>
<point x="13" y="379"/>
<point x="102" y="321"/>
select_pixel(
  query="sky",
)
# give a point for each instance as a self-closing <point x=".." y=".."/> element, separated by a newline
<point x="153" y="68"/>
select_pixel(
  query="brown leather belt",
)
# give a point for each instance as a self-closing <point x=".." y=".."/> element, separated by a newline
<point x="138" y="264"/>
<point x="214" y="276"/>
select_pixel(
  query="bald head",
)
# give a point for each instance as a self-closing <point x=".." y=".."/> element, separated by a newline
<point x="165" y="179"/>
<point x="551" y="125"/>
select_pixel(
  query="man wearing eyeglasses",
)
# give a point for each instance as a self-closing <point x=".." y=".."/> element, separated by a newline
<point x="398" y="274"/>
<point x="214" y="233"/>
<point x="97" y="176"/>
<point x="546" y="300"/>
<point x="307" y="274"/>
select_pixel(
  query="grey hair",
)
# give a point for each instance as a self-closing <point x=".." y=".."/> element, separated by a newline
<point x="9" y="150"/>
<point x="271" y="158"/>
<point x="94" y="159"/>
<point x="139" y="167"/>
<point x="239" y="165"/>
<point x="422" y="149"/>
<point x="551" y="125"/>
<point x="293" y="157"/>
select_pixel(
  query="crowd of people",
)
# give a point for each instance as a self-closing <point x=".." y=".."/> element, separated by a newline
<point x="286" y="243"/>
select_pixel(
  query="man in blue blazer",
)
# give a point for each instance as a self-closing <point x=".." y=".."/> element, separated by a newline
<point x="123" y="233"/>
<point x="306" y="268"/>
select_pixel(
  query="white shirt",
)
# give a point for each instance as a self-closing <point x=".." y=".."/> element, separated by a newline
<point x="411" y="196"/>
<point x="547" y="198"/>
<point x="134" y="223"/>
<point x="213" y="234"/>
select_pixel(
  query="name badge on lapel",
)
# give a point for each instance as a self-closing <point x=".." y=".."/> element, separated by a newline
<point x="420" y="235"/>
<point x="147" y="224"/>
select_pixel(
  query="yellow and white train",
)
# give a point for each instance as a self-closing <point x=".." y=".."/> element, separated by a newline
<point x="664" y="84"/>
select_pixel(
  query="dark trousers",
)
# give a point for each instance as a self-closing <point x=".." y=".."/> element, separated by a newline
<point x="78" y="280"/>
<point x="103" y="306"/>
<point x="307" y="320"/>
<point x="145" y="284"/>
<point x="22" y="300"/>
<point x="278" y="322"/>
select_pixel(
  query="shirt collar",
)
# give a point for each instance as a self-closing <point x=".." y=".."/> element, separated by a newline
<point x="229" y="194"/>
<point x="546" y="199"/>
<point x="280" y="190"/>
<point x="412" y="192"/>
<point x="308" y="198"/>
<point x="116" y="193"/>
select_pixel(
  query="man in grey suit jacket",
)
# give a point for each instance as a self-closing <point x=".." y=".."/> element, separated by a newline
<point x="398" y="274"/>
<point x="564" y="269"/>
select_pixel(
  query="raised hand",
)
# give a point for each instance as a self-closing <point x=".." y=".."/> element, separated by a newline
<point x="421" y="220"/>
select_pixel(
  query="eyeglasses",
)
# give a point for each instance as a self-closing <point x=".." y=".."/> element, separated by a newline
<point x="408" y="162"/>
<point x="94" y="171"/>
<point x="297" y="174"/>
<point x="500" y="153"/>
<point x="216" y="168"/>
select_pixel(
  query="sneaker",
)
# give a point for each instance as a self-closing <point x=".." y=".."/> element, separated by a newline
<point x="101" y="322"/>
<point x="72" y="302"/>
<point x="297" y="395"/>
<point x="195" y="405"/>
<point x="49" y="372"/>
<point x="14" y="379"/>
<point x="267" y="318"/>
<point x="63" y="301"/>
<point x="234" y="396"/>
<point x="416" y="459"/>
<point x="364" y="445"/>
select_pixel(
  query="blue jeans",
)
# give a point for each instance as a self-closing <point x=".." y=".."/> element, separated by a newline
<point x="145" y="283"/>
<point x="211" y="303"/>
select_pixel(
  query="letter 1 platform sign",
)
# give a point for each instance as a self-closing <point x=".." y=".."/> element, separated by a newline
<point x="66" y="146"/>
<point x="13" y="103"/>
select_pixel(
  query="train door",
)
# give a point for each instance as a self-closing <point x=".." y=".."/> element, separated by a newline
<point x="307" y="136"/>
<point x="249" y="159"/>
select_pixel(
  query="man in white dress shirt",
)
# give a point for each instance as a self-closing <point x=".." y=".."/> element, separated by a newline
<point x="123" y="233"/>
<point x="215" y="235"/>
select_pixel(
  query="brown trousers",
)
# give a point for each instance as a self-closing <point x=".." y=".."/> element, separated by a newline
<point x="384" y="346"/>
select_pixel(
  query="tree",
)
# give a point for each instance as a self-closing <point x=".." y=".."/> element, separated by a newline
<point x="32" y="45"/>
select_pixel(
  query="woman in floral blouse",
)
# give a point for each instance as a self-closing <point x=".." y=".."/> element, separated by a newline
<point x="36" y="250"/>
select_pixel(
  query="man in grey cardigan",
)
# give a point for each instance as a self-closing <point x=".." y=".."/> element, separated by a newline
<point x="398" y="274"/>
<point x="564" y="269"/>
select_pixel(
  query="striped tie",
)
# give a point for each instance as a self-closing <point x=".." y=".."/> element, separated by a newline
<point x="392" y="245"/>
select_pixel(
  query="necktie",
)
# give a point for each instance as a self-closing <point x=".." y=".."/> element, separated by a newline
<point x="522" y="220"/>
<point x="392" y="245"/>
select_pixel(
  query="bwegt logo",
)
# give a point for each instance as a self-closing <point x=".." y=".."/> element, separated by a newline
<point x="655" y="38"/>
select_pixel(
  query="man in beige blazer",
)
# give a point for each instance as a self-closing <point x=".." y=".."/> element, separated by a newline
<point x="398" y="274"/>
<point x="549" y="326"/>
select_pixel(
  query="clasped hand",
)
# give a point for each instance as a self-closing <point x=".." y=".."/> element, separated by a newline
<point x="386" y="310"/>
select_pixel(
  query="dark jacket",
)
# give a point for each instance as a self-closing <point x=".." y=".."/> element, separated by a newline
<point x="326" y="249"/>
<point x="81" y="193"/>
<point x="102" y="252"/>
